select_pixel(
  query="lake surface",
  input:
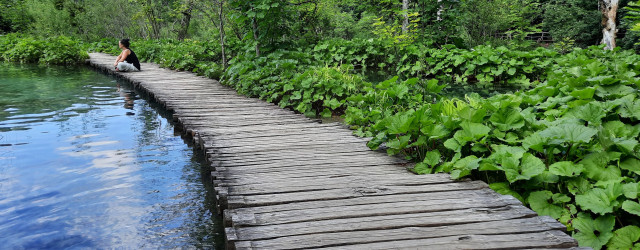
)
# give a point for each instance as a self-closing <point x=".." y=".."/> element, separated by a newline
<point x="86" y="163"/>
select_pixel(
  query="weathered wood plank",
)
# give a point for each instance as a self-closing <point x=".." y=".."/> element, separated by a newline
<point x="236" y="201"/>
<point x="477" y="241"/>
<point x="525" y="225"/>
<point x="375" y="209"/>
<point x="454" y="217"/>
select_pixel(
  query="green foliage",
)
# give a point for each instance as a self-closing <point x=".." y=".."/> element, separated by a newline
<point x="484" y="19"/>
<point x="13" y="17"/>
<point x="53" y="50"/>
<point x="568" y="147"/>
<point x="316" y="91"/>
<point x="484" y="65"/>
<point x="577" y="20"/>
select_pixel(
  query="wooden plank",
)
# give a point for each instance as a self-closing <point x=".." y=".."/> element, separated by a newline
<point x="304" y="170"/>
<point x="330" y="182"/>
<point x="276" y="162"/>
<point x="482" y="190"/>
<point x="524" y="225"/>
<point x="445" y="218"/>
<point x="400" y="176"/>
<point x="545" y="239"/>
<point x="288" y="156"/>
<point x="323" y="184"/>
<point x="228" y="177"/>
<point x="376" y="209"/>
<point x="235" y="201"/>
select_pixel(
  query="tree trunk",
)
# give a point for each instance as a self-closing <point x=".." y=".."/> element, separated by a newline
<point x="256" y="36"/>
<point x="222" y="34"/>
<point x="405" y="14"/>
<point x="186" y="20"/>
<point x="609" y="10"/>
<point x="440" y="10"/>
<point x="151" y="16"/>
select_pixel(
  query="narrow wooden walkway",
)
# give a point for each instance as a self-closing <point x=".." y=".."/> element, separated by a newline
<point x="288" y="182"/>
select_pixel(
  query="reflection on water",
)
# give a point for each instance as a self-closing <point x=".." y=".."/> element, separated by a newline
<point x="85" y="163"/>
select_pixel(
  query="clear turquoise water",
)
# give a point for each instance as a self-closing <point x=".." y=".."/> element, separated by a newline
<point x="87" y="164"/>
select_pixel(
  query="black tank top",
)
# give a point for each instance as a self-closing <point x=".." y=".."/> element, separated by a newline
<point x="133" y="59"/>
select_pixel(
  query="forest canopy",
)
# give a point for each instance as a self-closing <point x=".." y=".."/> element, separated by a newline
<point x="283" y="23"/>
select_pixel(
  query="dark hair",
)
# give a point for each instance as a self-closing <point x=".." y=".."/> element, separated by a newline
<point x="125" y="43"/>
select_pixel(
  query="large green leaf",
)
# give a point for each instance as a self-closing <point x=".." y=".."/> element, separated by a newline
<point x="591" y="112"/>
<point x="566" y="168"/>
<point x="604" y="80"/>
<point x="543" y="204"/>
<point x="401" y="123"/>
<point x="501" y="150"/>
<point x="472" y="115"/>
<point x="593" y="233"/>
<point x="631" y="207"/>
<point x="578" y="185"/>
<point x="626" y="145"/>
<point x="435" y="131"/>
<point x="624" y="239"/>
<point x="398" y="144"/>
<point x="598" y="200"/>
<point x="597" y="168"/>
<point x="586" y="93"/>
<point x="630" y="110"/>
<point x="422" y="168"/>
<point x="568" y="133"/>
<point x="630" y="190"/>
<point x="452" y="144"/>
<point x="631" y="164"/>
<point x="505" y="189"/>
<point x="535" y="142"/>
<point x="464" y="166"/>
<point x="471" y="132"/>
<point x="432" y="158"/>
<point x="506" y="119"/>
<point x="529" y="167"/>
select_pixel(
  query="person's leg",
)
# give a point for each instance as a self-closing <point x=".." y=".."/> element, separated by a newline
<point x="122" y="66"/>
<point x="126" y="67"/>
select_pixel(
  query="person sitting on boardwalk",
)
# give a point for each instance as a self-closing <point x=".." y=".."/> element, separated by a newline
<point x="127" y="60"/>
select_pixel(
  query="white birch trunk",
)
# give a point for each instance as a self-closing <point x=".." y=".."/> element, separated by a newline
<point x="440" y="10"/>
<point x="405" y="14"/>
<point x="609" y="10"/>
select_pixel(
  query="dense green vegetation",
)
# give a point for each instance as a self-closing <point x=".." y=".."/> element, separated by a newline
<point x="52" y="50"/>
<point x="455" y="86"/>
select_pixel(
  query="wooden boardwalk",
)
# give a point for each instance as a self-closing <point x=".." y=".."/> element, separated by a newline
<point x="288" y="182"/>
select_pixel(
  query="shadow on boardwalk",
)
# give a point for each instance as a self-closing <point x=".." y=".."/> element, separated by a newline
<point x="287" y="182"/>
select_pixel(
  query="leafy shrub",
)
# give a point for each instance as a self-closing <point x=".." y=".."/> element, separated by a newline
<point x="568" y="148"/>
<point x="369" y="54"/>
<point x="483" y="65"/>
<point x="53" y="50"/>
<point x="321" y="91"/>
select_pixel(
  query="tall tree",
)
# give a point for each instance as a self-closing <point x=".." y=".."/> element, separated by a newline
<point x="222" y="33"/>
<point x="185" y="9"/>
<point x="215" y="11"/>
<point x="405" y="15"/>
<point x="609" y="10"/>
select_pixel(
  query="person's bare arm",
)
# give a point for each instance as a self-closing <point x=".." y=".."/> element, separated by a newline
<point x="118" y="59"/>
<point x="124" y="55"/>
